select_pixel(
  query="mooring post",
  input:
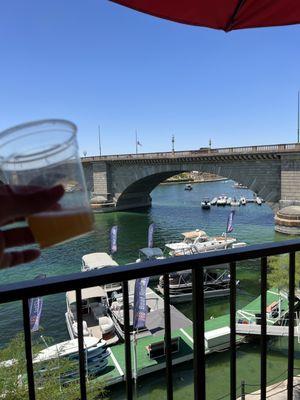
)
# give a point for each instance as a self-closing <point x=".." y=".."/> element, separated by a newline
<point x="243" y="393"/>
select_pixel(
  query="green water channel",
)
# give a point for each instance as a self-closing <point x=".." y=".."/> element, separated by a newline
<point x="174" y="210"/>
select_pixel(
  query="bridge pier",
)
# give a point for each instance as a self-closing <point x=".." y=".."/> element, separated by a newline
<point x="98" y="180"/>
<point x="287" y="218"/>
<point x="290" y="181"/>
<point x="133" y="200"/>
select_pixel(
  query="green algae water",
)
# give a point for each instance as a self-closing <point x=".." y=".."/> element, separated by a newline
<point x="174" y="210"/>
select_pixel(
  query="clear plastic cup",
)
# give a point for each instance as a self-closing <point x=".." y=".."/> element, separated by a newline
<point x="44" y="154"/>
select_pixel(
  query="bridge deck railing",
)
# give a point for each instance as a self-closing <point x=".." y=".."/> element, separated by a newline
<point x="280" y="148"/>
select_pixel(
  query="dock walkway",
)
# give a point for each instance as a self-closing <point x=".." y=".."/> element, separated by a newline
<point x="217" y="338"/>
<point x="277" y="391"/>
<point x="246" y="329"/>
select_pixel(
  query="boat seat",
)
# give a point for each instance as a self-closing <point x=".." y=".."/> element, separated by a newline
<point x="106" y="324"/>
<point x="84" y="326"/>
<point x="158" y="349"/>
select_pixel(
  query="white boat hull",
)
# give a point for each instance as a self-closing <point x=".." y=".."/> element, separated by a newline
<point x="69" y="348"/>
<point x="181" y="249"/>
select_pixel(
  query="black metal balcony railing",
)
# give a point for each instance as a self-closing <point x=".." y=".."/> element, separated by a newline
<point x="77" y="281"/>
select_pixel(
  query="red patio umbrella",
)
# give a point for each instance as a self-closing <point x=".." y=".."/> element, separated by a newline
<point x="221" y="14"/>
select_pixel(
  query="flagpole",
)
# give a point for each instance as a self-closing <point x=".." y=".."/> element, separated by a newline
<point x="298" y="120"/>
<point x="99" y="139"/>
<point x="136" y="142"/>
<point x="135" y="361"/>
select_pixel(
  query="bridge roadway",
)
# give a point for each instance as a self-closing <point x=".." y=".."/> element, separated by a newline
<point x="202" y="152"/>
<point x="126" y="180"/>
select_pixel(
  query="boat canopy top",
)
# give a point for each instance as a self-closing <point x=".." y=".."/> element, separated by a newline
<point x="150" y="252"/>
<point x="97" y="260"/>
<point x="194" y="234"/>
<point x="87" y="293"/>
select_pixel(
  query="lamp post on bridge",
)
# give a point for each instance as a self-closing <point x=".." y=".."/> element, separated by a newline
<point x="173" y="143"/>
<point x="298" y="120"/>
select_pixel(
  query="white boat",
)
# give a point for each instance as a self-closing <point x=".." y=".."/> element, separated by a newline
<point x="235" y="202"/>
<point x="228" y="202"/>
<point x="96" y="355"/>
<point x="243" y="201"/>
<point x="96" y="321"/>
<point x="205" y="204"/>
<point x="213" y="202"/>
<point x="93" y="348"/>
<point x="197" y="242"/>
<point x="188" y="187"/>
<point x="238" y="244"/>
<point x="216" y="284"/>
<point x="93" y="261"/>
<point x="258" y="201"/>
<point x="190" y="239"/>
<point x="222" y="200"/>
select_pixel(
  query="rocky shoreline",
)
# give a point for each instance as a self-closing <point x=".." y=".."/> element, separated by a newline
<point x="170" y="182"/>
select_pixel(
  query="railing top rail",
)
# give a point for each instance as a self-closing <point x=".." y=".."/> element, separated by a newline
<point x="63" y="283"/>
<point x="280" y="148"/>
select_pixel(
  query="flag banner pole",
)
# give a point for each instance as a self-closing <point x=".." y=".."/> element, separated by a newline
<point x="113" y="239"/>
<point x="35" y="309"/>
<point x="150" y="234"/>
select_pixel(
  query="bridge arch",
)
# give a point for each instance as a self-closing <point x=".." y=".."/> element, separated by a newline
<point x="132" y="184"/>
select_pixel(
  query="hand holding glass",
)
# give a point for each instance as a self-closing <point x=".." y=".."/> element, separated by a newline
<point x="44" y="154"/>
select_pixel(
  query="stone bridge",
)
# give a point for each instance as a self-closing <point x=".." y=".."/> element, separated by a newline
<point x="126" y="181"/>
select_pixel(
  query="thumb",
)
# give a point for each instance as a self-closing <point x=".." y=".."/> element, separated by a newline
<point x="27" y="203"/>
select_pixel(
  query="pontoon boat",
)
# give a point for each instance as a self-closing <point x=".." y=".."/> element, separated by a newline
<point x="96" y="321"/>
<point x="197" y="242"/>
<point x="216" y="284"/>
<point x="98" y="261"/>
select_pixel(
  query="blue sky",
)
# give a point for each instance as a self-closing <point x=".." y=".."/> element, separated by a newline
<point x="95" y="62"/>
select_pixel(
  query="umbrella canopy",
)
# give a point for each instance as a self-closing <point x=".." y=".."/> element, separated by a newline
<point x="221" y="14"/>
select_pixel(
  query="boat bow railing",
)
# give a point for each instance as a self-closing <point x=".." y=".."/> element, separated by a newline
<point x="23" y="291"/>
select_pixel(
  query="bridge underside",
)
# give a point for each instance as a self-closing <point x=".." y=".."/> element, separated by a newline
<point x="133" y="183"/>
<point x="138" y="193"/>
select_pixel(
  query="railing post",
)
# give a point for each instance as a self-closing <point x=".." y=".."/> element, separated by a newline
<point x="232" y="330"/>
<point x="81" y="352"/>
<point x="129" y="391"/>
<point x="198" y="334"/>
<point x="290" y="382"/>
<point x="168" y="338"/>
<point x="263" y="321"/>
<point x="243" y="391"/>
<point x="28" y="350"/>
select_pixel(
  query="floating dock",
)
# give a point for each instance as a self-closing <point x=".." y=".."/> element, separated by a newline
<point x="217" y="338"/>
<point x="277" y="391"/>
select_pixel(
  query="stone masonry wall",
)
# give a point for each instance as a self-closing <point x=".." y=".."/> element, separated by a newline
<point x="290" y="180"/>
<point x="101" y="181"/>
